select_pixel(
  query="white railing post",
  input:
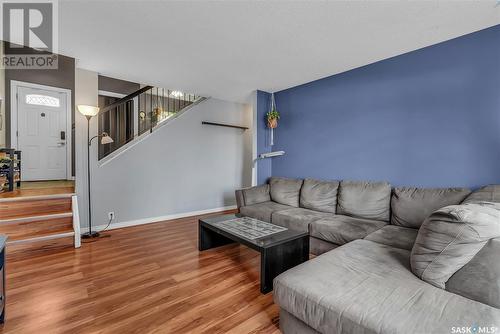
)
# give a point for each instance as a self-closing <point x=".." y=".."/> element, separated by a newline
<point x="76" y="221"/>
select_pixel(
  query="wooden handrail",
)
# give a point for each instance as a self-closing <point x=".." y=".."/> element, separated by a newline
<point x="126" y="98"/>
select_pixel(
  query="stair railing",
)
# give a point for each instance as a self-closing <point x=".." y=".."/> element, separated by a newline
<point x="139" y="113"/>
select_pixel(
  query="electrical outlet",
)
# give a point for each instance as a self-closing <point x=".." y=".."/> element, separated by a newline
<point x="111" y="216"/>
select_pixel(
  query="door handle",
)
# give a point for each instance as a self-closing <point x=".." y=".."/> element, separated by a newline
<point x="61" y="143"/>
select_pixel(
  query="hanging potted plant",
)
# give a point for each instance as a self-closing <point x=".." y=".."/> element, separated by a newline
<point x="272" y="118"/>
<point x="273" y="115"/>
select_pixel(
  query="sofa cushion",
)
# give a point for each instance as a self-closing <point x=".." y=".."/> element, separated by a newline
<point x="366" y="287"/>
<point x="291" y="325"/>
<point x="480" y="278"/>
<point x="297" y="218"/>
<point x="394" y="236"/>
<point x="451" y="237"/>
<point x="254" y="195"/>
<point x="489" y="193"/>
<point x="262" y="211"/>
<point x="343" y="229"/>
<point x="370" y="200"/>
<point x="319" y="195"/>
<point x="319" y="246"/>
<point x="411" y="206"/>
<point x="285" y="191"/>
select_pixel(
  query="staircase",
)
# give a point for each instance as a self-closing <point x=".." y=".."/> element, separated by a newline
<point x="38" y="219"/>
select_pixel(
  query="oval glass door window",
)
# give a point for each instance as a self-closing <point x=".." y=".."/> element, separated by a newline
<point x="42" y="100"/>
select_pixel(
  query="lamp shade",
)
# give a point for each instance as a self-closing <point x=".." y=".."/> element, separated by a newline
<point x="106" y="139"/>
<point x="88" y="110"/>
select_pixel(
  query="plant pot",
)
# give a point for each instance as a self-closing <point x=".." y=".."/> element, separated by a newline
<point x="272" y="123"/>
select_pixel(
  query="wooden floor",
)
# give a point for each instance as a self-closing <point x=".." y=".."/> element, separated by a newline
<point x="146" y="279"/>
<point x="40" y="188"/>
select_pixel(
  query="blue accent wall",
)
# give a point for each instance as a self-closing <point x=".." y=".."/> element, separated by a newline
<point x="264" y="166"/>
<point x="428" y="118"/>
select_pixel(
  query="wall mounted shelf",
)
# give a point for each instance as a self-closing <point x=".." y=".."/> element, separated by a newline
<point x="225" y="125"/>
<point x="271" y="154"/>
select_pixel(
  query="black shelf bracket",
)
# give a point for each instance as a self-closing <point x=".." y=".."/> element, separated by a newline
<point x="225" y="125"/>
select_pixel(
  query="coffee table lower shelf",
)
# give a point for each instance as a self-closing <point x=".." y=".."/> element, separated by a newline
<point x="276" y="256"/>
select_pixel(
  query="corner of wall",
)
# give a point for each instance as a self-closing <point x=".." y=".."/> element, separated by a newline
<point x="86" y="88"/>
<point x="264" y="166"/>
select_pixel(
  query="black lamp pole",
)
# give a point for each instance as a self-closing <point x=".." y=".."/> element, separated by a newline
<point x="89" y="234"/>
<point x="89" y="112"/>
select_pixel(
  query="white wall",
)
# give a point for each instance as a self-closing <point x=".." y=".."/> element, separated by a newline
<point x="252" y="109"/>
<point x="85" y="93"/>
<point x="181" y="168"/>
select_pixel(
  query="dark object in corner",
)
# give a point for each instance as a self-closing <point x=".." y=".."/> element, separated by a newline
<point x="10" y="168"/>
<point x="3" y="241"/>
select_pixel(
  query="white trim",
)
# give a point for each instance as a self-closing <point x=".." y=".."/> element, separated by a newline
<point x="122" y="149"/>
<point x="110" y="94"/>
<point x="44" y="238"/>
<point x="76" y="222"/>
<point x="14" y="85"/>
<point x="35" y="198"/>
<point x="162" y="218"/>
<point x="255" y="128"/>
<point x="30" y="219"/>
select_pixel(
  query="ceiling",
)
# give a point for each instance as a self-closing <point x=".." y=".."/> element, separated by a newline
<point x="228" y="49"/>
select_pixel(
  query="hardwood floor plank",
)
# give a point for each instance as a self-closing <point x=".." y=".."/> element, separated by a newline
<point x="145" y="279"/>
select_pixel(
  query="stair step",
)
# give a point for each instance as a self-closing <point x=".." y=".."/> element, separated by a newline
<point x="34" y="206"/>
<point x="41" y="238"/>
<point x="5" y="198"/>
<point x="37" y="226"/>
<point x="33" y="248"/>
<point x="38" y="218"/>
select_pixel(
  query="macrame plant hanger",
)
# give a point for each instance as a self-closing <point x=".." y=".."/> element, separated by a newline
<point x="273" y="106"/>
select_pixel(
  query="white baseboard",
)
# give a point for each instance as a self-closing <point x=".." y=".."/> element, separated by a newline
<point x="151" y="220"/>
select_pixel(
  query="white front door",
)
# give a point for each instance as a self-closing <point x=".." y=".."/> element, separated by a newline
<point x="42" y="133"/>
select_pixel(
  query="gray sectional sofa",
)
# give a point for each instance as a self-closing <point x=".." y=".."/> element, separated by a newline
<point x="365" y="279"/>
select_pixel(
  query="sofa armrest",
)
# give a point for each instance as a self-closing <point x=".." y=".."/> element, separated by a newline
<point x="240" y="201"/>
<point x="253" y="195"/>
<point x="478" y="279"/>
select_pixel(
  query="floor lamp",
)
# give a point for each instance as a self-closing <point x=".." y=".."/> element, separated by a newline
<point x="89" y="112"/>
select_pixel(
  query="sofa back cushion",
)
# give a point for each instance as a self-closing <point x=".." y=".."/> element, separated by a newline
<point x="489" y="193"/>
<point x="257" y="194"/>
<point x="285" y="191"/>
<point x="319" y="195"/>
<point x="361" y="199"/>
<point x="479" y="279"/>
<point x="451" y="237"/>
<point x="411" y="206"/>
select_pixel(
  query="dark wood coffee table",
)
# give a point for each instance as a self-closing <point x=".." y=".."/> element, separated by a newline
<point x="279" y="251"/>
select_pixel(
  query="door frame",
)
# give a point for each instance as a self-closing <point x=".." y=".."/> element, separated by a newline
<point x="14" y="85"/>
